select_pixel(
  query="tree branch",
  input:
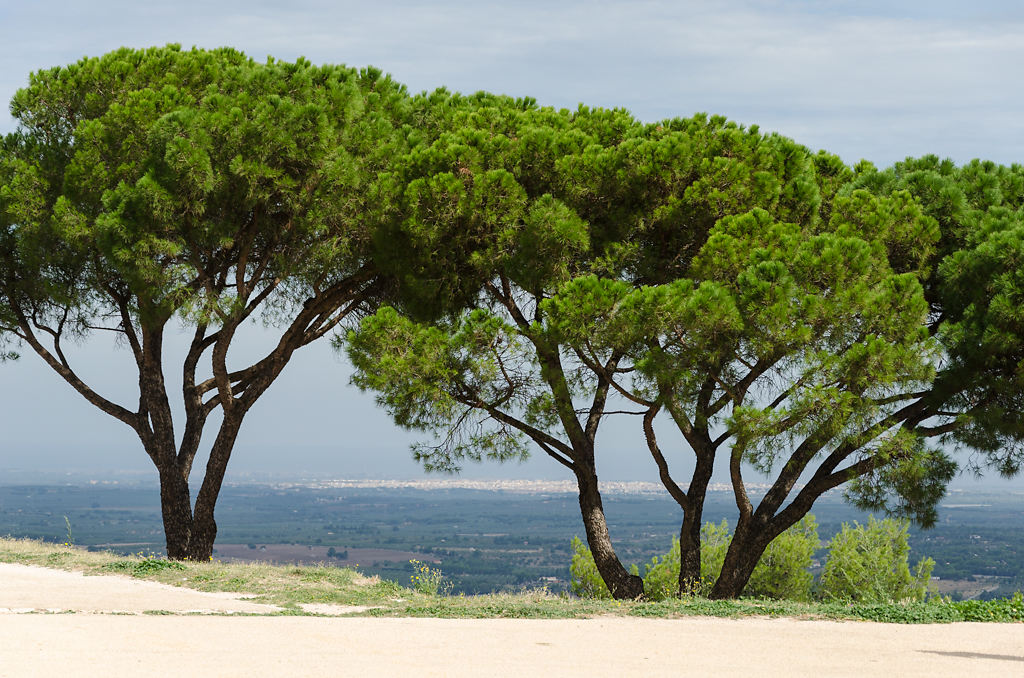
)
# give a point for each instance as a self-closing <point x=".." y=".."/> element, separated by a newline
<point x="63" y="368"/>
<point x="670" y="484"/>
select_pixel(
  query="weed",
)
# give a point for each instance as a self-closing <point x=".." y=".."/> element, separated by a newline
<point x="144" y="567"/>
<point x="388" y="588"/>
<point x="428" y="580"/>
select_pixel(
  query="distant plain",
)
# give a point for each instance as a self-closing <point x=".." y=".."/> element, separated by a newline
<point x="482" y="540"/>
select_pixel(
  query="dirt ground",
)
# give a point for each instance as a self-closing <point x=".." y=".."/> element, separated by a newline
<point x="86" y="639"/>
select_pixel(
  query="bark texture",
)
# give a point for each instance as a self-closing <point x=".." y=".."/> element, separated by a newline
<point x="621" y="583"/>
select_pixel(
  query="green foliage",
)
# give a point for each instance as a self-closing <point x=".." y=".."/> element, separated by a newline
<point x="144" y="567"/>
<point x="145" y="166"/>
<point x="480" y="193"/>
<point x="909" y="482"/>
<point x="824" y="309"/>
<point x="413" y="367"/>
<point x="1002" y="610"/>
<point x="783" y="572"/>
<point x="584" y="579"/>
<point x="661" y="575"/>
<point x="975" y="293"/>
<point x="714" y="543"/>
<point x="869" y="563"/>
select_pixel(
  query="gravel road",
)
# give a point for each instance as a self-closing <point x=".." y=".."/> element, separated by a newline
<point x="87" y="639"/>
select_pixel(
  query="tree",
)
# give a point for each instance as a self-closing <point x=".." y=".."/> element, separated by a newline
<point x="780" y="343"/>
<point x="494" y="179"/>
<point x="152" y="187"/>
<point x="592" y="196"/>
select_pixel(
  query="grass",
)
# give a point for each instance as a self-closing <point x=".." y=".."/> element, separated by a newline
<point x="291" y="587"/>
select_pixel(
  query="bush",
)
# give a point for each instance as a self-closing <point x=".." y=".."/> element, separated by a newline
<point x="714" y="543"/>
<point x="869" y="563"/>
<point x="661" y="575"/>
<point x="584" y="579"/>
<point x="783" y="571"/>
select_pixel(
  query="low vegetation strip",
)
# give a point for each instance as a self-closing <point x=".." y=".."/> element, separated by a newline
<point x="297" y="590"/>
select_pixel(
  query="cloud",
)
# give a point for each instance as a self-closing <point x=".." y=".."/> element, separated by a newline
<point x="863" y="79"/>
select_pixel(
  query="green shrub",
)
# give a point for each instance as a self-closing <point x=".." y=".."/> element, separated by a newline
<point x="584" y="579"/>
<point x="783" y="571"/>
<point x="714" y="543"/>
<point x="869" y="563"/>
<point x="661" y="575"/>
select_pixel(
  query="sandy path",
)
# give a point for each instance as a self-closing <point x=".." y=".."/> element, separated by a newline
<point x="115" y="645"/>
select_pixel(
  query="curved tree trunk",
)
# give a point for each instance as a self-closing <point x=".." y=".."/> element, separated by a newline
<point x="190" y="532"/>
<point x="622" y="584"/>
<point x="204" y="528"/>
<point x="745" y="550"/>
<point x="689" y="531"/>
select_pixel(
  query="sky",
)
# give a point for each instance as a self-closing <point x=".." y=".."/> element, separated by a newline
<point x="864" y="79"/>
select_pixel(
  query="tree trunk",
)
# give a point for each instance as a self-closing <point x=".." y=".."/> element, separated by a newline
<point x="204" y="533"/>
<point x="190" y="533"/>
<point x="748" y="545"/>
<point x="689" y="551"/>
<point x="689" y="531"/>
<point x="622" y="584"/>
<point x="204" y="526"/>
<point x="176" y="507"/>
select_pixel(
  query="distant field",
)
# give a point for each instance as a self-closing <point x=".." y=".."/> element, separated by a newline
<point x="298" y="554"/>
